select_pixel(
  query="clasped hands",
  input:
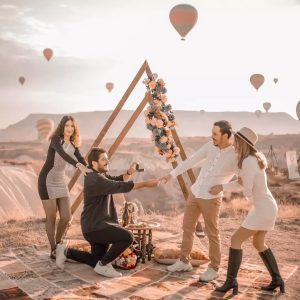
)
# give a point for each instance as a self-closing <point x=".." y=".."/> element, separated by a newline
<point x="150" y="183"/>
<point x="217" y="189"/>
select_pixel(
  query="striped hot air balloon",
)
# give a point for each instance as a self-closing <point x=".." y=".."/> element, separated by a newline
<point x="44" y="128"/>
<point x="183" y="17"/>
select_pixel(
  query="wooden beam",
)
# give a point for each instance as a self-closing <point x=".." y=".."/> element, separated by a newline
<point x="111" y="119"/>
<point x="129" y="124"/>
<point x="183" y="155"/>
<point x="77" y="202"/>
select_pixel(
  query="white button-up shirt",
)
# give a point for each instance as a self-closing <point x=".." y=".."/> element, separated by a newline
<point x="218" y="166"/>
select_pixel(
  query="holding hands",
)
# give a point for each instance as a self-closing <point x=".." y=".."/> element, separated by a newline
<point x="217" y="189"/>
<point x="157" y="182"/>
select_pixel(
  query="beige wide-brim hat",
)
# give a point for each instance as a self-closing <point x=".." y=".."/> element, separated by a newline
<point x="248" y="136"/>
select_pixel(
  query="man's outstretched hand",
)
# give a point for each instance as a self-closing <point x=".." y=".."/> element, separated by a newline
<point x="132" y="168"/>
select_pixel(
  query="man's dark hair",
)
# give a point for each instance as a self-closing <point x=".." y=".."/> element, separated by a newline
<point x="95" y="154"/>
<point x="225" y="127"/>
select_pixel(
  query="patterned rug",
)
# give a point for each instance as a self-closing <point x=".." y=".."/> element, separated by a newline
<point x="29" y="273"/>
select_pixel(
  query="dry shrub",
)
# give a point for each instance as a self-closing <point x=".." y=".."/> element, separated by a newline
<point x="288" y="211"/>
<point x="240" y="207"/>
<point x="235" y="207"/>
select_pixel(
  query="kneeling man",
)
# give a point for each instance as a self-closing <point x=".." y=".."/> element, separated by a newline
<point x="99" y="221"/>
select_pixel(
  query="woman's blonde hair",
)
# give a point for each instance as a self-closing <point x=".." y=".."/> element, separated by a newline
<point x="59" y="131"/>
<point x="244" y="150"/>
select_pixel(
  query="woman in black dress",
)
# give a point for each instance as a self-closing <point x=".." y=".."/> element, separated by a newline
<point x="52" y="185"/>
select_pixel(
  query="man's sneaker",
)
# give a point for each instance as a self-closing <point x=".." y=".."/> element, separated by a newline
<point x="107" y="271"/>
<point x="111" y="267"/>
<point x="209" y="275"/>
<point x="180" y="266"/>
<point x="60" y="256"/>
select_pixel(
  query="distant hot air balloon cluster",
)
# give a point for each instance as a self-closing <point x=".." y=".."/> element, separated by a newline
<point x="257" y="80"/>
<point x="48" y="53"/>
<point x="44" y="128"/>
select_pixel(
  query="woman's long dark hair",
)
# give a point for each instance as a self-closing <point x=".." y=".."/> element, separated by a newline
<point x="59" y="131"/>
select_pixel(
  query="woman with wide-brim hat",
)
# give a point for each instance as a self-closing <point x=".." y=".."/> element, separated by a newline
<point x="262" y="215"/>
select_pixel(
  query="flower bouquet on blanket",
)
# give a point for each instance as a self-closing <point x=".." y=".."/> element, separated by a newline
<point x="127" y="260"/>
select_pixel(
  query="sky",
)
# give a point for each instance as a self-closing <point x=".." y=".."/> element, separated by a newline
<point x="99" y="41"/>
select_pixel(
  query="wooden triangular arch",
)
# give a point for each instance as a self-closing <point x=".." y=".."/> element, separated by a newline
<point x="148" y="98"/>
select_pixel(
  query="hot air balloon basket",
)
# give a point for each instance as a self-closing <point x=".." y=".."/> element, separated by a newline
<point x="160" y="119"/>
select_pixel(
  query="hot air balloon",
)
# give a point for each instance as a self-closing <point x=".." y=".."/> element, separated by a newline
<point x="258" y="113"/>
<point x="257" y="80"/>
<point x="183" y="18"/>
<point x="267" y="106"/>
<point x="275" y="80"/>
<point x="298" y="110"/>
<point x="44" y="128"/>
<point x="109" y="86"/>
<point x="48" y="53"/>
<point x="22" y="80"/>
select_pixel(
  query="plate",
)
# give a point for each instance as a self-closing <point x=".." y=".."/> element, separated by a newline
<point x="170" y="261"/>
<point x="144" y="224"/>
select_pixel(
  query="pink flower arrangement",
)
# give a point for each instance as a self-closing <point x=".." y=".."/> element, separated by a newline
<point x="159" y="123"/>
<point x="152" y="85"/>
<point x="163" y="139"/>
<point x="164" y="98"/>
<point x="160" y="120"/>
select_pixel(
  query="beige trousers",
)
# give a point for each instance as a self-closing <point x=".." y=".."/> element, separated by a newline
<point x="210" y="209"/>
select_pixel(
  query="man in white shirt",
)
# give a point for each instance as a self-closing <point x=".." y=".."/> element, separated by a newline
<point x="219" y="165"/>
